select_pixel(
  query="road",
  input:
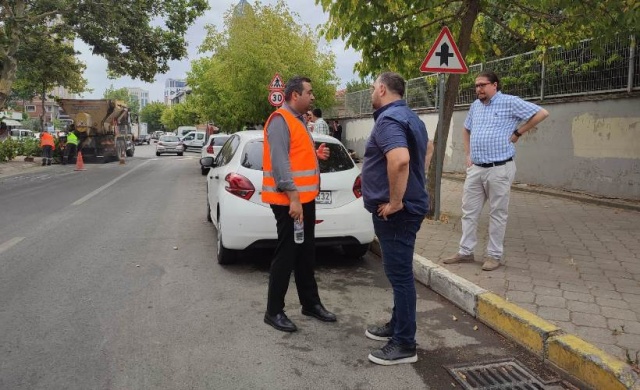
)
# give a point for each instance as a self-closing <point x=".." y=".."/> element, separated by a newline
<point x="107" y="281"/>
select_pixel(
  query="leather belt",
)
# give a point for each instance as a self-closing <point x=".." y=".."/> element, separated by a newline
<point x="494" y="164"/>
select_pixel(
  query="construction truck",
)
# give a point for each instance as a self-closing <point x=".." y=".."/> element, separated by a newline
<point x="103" y="127"/>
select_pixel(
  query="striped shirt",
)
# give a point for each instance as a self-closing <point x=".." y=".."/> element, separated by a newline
<point x="491" y="126"/>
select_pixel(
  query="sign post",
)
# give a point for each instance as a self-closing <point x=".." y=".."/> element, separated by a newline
<point x="276" y="91"/>
<point x="443" y="57"/>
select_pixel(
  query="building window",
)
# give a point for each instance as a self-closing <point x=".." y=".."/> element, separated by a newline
<point x="47" y="108"/>
<point x="30" y="108"/>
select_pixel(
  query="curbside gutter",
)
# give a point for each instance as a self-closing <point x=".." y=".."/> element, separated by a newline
<point x="568" y="353"/>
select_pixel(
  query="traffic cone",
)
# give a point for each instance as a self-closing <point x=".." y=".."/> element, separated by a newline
<point x="79" y="163"/>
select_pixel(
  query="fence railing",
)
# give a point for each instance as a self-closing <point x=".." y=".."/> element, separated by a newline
<point x="536" y="75"/>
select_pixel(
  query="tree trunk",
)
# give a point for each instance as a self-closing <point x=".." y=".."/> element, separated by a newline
<point x="42" y="106"/>
<point x="8" y="49"/>
<point x="451" y="94"/>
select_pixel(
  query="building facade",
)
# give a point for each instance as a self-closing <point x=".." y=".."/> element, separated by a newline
<point x="171" y="88"/>
<point x="142" y="95"/>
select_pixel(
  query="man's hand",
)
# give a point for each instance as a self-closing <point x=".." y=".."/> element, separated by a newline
<point x="386" y="209"/>
<point x="323" y="152"/>
<point x="295" y="210"/>
<point x="469" y="162"/>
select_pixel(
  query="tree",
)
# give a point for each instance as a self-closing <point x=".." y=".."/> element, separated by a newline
<point x="389" y="34"/>
<point x="359" y="85"/>
<point x="151" y="114"/>
<point x="136" y="37"/>
<point x="45" y="63"/>
<point x="230" y="88"/>
<point x="123" y="94"/>
<point x="183" y="114"/>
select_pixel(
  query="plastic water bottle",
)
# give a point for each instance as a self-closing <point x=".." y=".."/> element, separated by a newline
<point x="298" y="231"/>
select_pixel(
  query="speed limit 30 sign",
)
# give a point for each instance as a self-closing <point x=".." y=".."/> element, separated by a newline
<point x="276" y="98"/>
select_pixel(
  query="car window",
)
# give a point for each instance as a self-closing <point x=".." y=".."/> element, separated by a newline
<point x="339" y="159"/>
<point x="218" y="141"/>
<point x="227" y="151"/>
<point x="200" y="136"/>
<point x="169" y="138"/>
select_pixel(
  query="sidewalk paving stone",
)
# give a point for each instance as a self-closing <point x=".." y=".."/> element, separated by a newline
<point x="575" y="263"/>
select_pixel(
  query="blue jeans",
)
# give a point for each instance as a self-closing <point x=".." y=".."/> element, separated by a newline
<point x="397" y="237"/>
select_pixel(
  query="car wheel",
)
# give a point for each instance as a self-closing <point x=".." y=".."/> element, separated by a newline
<point x="209" y="211"/>
<point x="204" y="171"/>
<point x="355" y="250"/>
<point x="224" y="255"/>
<point x="157" y="153"/>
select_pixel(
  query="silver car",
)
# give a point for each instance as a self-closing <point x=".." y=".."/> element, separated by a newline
<point x="169" y="144"/>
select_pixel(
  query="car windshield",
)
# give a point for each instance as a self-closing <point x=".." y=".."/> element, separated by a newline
<point x="169" y="138"/>
<point x="339" y="159"/>
<point x="218" y="141"/>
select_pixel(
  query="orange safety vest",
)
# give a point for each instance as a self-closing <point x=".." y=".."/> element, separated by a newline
<point x="303" y="160"/>
<point x="46" y="139"/>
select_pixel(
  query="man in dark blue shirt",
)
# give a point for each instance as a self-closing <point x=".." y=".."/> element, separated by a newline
<point x="393" y="189"/>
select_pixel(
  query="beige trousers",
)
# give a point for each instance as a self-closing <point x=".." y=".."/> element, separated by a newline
<point x="482" y="184"/>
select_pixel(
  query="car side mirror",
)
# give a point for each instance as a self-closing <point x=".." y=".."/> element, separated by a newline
<point x="207" y="162"/>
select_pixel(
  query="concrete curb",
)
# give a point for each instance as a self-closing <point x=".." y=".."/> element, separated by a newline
<point x="568" y="353"/>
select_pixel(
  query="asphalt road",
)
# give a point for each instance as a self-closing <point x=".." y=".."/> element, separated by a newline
<point x="107" y="281"/>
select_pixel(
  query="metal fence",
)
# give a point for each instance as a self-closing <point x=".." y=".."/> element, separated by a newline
<point x="537" y="75"/>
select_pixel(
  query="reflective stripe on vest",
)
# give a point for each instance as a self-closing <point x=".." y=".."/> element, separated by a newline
<point x="302" y="158"/>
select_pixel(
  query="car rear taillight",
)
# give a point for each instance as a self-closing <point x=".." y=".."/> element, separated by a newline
<point x="357" y="187"/>
<point x="239" y="185"/>
<point x="210" y="149"/>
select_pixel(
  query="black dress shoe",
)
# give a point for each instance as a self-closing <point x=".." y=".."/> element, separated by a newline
<point x="280" y="322"/>
<point x="319" y="312"/>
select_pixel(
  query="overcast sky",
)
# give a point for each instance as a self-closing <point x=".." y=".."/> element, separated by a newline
<point x="311" y="14"/>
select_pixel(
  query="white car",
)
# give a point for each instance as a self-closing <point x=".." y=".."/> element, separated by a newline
<point x="212" y="147"/>
<point x="243" y="221"/>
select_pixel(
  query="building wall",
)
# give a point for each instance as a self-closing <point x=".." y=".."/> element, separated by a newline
<point x="586" y="146"/>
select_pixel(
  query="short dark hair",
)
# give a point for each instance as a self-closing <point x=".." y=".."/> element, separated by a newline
<point x="393" y="81"/>
<point x="295" y="84"/>
<point x="317" y="112"/>
<point x="491" y="76"/>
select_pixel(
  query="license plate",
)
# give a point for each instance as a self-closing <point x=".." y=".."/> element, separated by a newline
<point x="324" y="197"/>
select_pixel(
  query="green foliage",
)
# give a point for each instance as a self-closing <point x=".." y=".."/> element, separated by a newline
<point x="359" y="85"/>
<point x="8" y="149"/>
<point x="137" y="37"/>
<point x="152" y="114"/>
<point x="183" y="114"/>
<point x="28" y="147"/>
<point x="396" y="35"/>
<point x="230" y="88"/>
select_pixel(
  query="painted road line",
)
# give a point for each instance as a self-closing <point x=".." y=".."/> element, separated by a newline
<point x="104" y="187"/>
<point x="6" y="245"/>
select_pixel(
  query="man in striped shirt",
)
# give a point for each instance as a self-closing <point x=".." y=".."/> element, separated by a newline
<point x="491" y="132"/>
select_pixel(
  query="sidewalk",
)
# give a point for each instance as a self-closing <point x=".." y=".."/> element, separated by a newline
<point x="572" y="263"/>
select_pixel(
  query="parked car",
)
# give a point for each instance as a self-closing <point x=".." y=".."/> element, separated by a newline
<point x="211" y="148"/>
<point x="182" y="131"/>
<point x="193" y="140"/>
<point x="143" y="139"/>
<point x="156" y="135"/>
<point x="169" y="144"/>
<point x="243" y="221"/>
<point x="22" y="134"/>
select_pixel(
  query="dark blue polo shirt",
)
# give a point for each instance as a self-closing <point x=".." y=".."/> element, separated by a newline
<point x="395" y="126"/>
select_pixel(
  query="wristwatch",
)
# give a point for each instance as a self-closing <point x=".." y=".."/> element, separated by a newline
<point x="515" y="132"/>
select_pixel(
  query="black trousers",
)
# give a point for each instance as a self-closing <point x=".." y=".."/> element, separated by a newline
<point x="289" y="256"/>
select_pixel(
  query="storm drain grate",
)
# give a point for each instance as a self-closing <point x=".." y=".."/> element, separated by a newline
<point x="497" y="375"/>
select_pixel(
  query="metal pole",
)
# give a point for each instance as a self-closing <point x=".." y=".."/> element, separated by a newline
<point x="542" y="76"/>
<point x="440" y="145"/>
<point x="632" y="51"/>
